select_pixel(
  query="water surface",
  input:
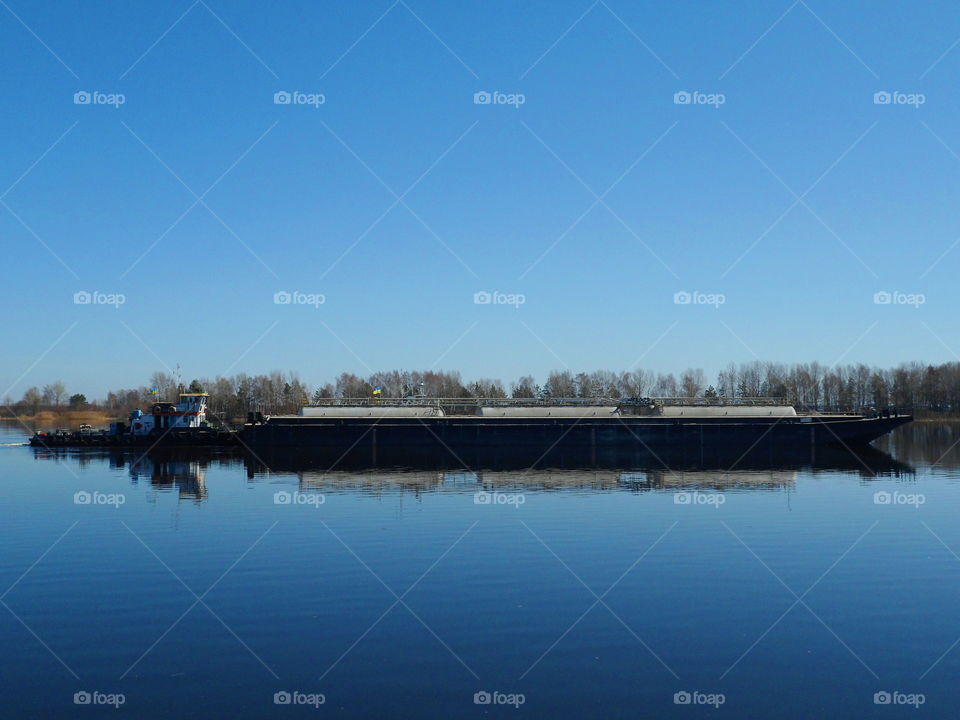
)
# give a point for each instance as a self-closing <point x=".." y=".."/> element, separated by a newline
<point x="201" y="586"/>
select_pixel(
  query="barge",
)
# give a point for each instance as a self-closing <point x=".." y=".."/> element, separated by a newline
<point x="372" y="428"/>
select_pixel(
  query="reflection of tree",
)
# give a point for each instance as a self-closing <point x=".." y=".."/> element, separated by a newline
<point x="924" y="443"/>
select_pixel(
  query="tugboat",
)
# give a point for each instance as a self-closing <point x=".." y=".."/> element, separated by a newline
<point x="166" y="424"/>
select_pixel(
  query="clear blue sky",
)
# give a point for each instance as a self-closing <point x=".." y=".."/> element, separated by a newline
<point x="704" y="198"/>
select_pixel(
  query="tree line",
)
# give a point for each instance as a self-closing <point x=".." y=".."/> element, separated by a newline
<point x="933" y="389"/>
<point x="51" y="396"/>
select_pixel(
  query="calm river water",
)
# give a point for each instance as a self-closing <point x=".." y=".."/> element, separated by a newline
<point x="214" y="586"/>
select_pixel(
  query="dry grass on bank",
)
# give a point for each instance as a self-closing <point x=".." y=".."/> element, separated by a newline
<point x="66" y="419"/>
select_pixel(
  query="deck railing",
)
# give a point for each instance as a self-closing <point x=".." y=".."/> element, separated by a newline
<point x="546" y="402"/>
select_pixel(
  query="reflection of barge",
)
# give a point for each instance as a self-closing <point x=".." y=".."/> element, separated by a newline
<point x="184" y="469"/>
<point x="457" y="427"/>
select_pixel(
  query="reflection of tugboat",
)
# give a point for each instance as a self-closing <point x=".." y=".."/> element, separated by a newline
<point x="187" y="476"/>
<point x="167" y="423"/>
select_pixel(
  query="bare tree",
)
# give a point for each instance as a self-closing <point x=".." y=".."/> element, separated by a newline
<point x="32" y="398"/>
<point x="59" y="392"/>
<point x="165" y="385"/>
<point x="525" y="387"/>
<point x="692" y="382"/>
<point x="560" y="384"/>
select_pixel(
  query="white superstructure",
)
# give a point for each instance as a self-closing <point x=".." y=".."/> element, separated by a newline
<point x="189" y="412"/>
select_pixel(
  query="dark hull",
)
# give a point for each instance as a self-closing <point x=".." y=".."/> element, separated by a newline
<point x="186" y="437"/>
<point x="478" y="441"/>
